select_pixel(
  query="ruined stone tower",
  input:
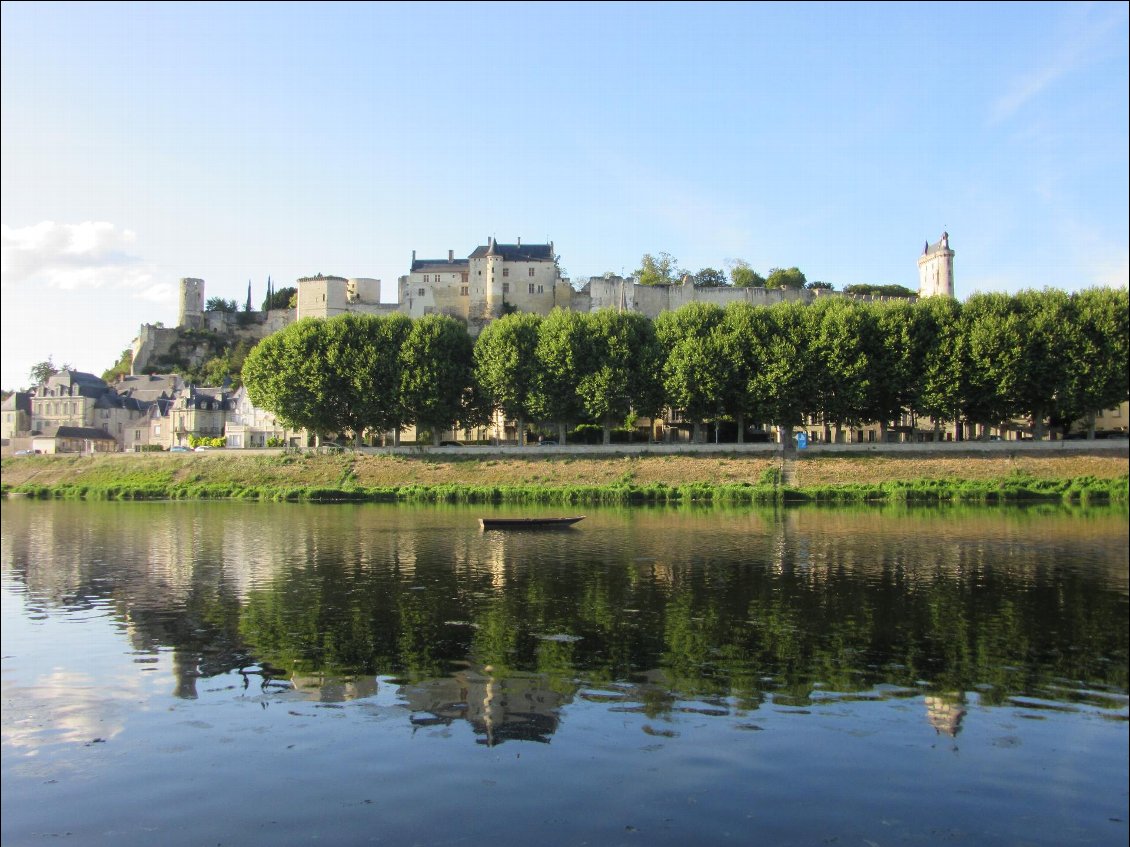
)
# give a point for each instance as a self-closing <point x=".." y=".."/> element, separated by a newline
<point x="191" y="303"/>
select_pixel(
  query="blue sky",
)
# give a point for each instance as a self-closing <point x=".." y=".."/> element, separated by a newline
<point x="142" y="143"/>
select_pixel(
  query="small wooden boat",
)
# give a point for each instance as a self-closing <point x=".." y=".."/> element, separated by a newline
<point x="527" y="523"/>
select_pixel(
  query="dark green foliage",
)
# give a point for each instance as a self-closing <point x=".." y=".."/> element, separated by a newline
<point x="437" y="361"/>
<point x="743" y="276"/>
<point x="785" y="278"/>
<point x="880" y="290"/>
<point x="280" y="299"/>
<point x="506" y="365"/>
<point x="120" y="368"/>
<point x="219" y="304"/>
<point x="696" y="372"/>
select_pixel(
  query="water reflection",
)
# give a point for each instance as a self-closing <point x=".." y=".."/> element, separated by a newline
<point x="663" y="613"/>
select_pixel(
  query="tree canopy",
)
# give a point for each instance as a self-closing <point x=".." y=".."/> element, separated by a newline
<point x="662" y="269"/>
<point x="785" y="278"/>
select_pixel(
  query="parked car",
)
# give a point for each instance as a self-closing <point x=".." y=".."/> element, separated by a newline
<point x="25" y="452"/>
<point x="547" y="442"/>
<point x="202" y="448"/>
<point x="179" y="449"/>
<point x="451" y="444"/>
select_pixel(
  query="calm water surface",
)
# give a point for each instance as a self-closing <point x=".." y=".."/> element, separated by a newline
<point x="191" y="674"/>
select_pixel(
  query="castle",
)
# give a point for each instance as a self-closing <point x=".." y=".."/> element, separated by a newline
<point x="493" y="280"/>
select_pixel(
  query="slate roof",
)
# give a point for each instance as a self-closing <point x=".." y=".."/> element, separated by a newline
<point x="84" y="432"/>
<point x="63" y="384"/>
<point x="939" y="246"/>
<point x="516" y="252"/>
<point x="18" y="401"/>
<point x="441" y="265"/>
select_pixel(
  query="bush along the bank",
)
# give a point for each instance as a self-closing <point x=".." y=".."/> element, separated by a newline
<point x="1084" y="490"/>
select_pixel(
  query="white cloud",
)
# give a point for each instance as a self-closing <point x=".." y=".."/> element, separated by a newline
<point x="1077" y="49"/>
<point x="71" y="256"/>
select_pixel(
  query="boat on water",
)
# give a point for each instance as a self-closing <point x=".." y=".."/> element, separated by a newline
<point x="527" y="523"/>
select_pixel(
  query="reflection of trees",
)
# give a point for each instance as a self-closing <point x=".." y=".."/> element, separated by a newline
<point x="701" y="604"/>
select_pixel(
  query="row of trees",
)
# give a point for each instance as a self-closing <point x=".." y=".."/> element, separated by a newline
<point x="663" y="269"/>
<point x="1047" y="356"/>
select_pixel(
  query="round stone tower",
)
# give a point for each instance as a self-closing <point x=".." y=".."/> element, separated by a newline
<point x="191" y="303"/>
<point x="935" y="269"/>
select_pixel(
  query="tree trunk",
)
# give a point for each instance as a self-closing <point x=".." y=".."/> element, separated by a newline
<point x="786" y="436"/>
<point x="937" y="430"/>
<point x="1090" y="427"/>
<point x="521" y="431"/>
<point x="696" y="433"/>
<point x="435" y="436"/>
<point x="1038" y="425"/>
<point x="839" y="431"/>
<point x="396" y="436"/>
<point x="561" y="429"/>
<point x="883" y="432"/>
<point x="606" y="431"/>
<point x="741" y="427"/>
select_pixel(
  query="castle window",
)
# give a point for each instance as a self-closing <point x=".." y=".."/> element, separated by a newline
<point x="531" y="271"/>
<point x="506" y="288"/>
<point x="465" y="276"/>
<point x="421" y="292"/>
<point x="531" y="288"/>
<point x="425" y="277"/>
<point x="541" y="290"/>
<point x="463" y="291"/>
<point x="506" y="271"/>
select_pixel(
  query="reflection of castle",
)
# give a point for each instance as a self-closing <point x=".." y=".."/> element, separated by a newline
<point x="945" y="714"/>
<point x="518" y="707"/>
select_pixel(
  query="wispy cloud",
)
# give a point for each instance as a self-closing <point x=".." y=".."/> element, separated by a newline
<point x="1078" y="48"/>
<point x="91" y="254"/>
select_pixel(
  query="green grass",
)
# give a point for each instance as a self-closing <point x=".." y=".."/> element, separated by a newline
<point x="1084" y="490"/>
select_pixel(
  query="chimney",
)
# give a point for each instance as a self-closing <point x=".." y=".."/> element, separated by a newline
<point x="519" y="241"/>
<point x="451" y="255"/>
<point x="413" y="257"/>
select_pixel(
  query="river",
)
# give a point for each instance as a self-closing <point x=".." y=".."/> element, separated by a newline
<point x="239" y="673"/>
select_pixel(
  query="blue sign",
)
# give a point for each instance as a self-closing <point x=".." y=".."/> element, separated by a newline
<point x="802" y="440"/>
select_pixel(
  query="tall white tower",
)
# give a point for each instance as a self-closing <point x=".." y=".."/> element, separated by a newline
<point x="935" y="269"/>
<point x="191" y="302"/>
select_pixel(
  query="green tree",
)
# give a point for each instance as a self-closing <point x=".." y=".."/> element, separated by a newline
<point x="506" y="365"/>
<point x="743" y="276"/>
<point x="622" y="369"/>
<point x="994" y="328"/>
<point x="658" y="270"/>
<point x="941" y="385"/>
<point x="844" y="340"/>
<point x="710" y="278"/>
<point x="41" y="371"/>
<point x="785" y="278"/>
<point x="897" y="357"/>
<point x="120" y="368"/>
<point x="819" y="285"/>
<point x="437" y="359"/>
<point x="695" y="370"/>
<point x="564" y="355"/>
<point x="880" y="290"/>
<point x="219" y="304"/>
<point x="1050" y="331"/>
<point x="363" y="354"/>
<point x="279" y="299"/>
<point x="1096" y="369"/>
<point x="745" y="334"/>
<point x="288" y="373"/>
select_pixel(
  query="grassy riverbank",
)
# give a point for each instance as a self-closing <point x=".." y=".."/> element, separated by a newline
<point x="922" y="477"/>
